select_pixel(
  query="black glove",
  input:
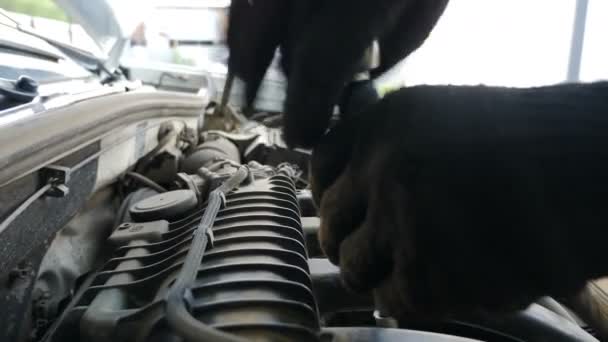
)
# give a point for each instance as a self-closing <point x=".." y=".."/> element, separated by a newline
<point x="322" y="44"/>
<point x="451" y="200"/>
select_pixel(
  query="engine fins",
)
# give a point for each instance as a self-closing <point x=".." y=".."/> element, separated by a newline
<point x="253" y="282"/>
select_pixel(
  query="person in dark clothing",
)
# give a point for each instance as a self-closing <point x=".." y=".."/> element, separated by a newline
<point x="442" y="199"/>
<point x="323" y="44"/>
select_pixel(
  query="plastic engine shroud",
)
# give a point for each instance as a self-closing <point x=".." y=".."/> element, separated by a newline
<point x="253" y="282"/>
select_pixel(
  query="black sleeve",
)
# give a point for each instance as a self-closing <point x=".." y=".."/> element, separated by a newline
<point x="410" y="31"/>
<point x="255" y="30"/>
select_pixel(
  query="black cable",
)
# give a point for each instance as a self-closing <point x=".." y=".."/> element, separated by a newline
<point x="23" y="206"/>
<point x="177" y="314"/>
<point x="146" y="181"/>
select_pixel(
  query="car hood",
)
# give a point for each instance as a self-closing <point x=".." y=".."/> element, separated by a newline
<point x="108" y="22"/>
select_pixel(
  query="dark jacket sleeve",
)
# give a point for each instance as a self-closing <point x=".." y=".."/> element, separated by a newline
<point x="330" y="51"/>
<point x="256" y="28"/>
<point x="410" y="31"/>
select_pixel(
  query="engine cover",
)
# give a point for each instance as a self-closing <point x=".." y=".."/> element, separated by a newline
<point x="253" y="280"/>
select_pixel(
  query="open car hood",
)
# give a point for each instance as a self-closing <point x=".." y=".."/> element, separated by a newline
<point x="108" y="22"/>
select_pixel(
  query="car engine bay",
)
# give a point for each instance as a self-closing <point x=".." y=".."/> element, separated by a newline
<point x="210" y="234"/>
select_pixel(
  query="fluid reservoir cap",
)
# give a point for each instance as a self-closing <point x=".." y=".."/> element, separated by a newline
<point x="166" y="206"/>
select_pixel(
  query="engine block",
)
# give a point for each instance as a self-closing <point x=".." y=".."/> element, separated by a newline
<point x="253" y="280"/>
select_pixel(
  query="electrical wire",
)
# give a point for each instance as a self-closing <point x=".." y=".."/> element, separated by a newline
<point x="146" y="181"/>
<point x="23" y="206"/>
<point x="177" y="314"/>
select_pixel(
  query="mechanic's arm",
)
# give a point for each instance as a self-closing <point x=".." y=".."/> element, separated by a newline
<point x="462" y="199"/>
<point x="323" y="42"/>
<point x="255" y="30"/>
<point x="330" y="52"/>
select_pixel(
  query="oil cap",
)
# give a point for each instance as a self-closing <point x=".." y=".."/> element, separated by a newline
<point x="166" y="206"/>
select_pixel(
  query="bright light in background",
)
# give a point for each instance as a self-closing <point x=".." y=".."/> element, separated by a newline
<point x="130" y="13"/>
<point x="595" y="51"/>
<point x="514" y="43"/>
<point x="192" y="3"/>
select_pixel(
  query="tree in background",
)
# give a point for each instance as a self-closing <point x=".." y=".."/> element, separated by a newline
<point x="36" y="8"/>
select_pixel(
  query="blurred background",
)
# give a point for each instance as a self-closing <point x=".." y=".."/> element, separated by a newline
<point x="179" y="32"/>
<point x="497" y="42"/>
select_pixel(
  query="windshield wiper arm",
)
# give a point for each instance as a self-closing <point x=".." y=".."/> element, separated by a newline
<point x="6" y="16"/>
<point x="86" y="59"/>
<point x="28" y="50"/>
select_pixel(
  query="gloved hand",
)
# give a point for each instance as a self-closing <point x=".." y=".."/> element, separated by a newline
<point x="450" y="200"/>
<point x="322" y="44"/>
